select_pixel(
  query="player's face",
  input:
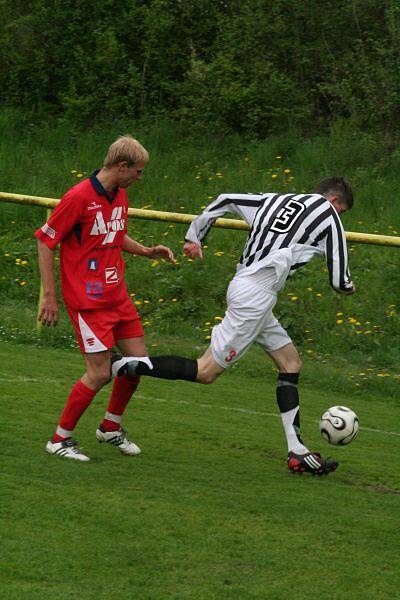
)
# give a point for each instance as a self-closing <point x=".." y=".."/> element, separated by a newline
<point x="128" y="174"/>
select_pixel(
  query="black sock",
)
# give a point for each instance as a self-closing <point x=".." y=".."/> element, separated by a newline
<point x="168" y="367"/>
<point x="288" y="397"/>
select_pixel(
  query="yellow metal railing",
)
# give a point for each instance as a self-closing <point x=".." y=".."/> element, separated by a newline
<point x="155" y="215"/>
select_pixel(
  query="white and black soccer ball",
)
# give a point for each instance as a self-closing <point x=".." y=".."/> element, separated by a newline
<point x="339" y="425"/>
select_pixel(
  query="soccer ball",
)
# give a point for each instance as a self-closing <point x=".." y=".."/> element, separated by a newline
<point x="339" y="425"/>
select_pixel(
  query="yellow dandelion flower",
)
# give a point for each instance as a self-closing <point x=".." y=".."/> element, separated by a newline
<point x="79" y="175"/>
<point x="309" y="289"/>
<point x="274" y="176"/>
<point x="174" y="299"/>
<point x="217" y="318"/>
<point x="208" y="337"/>
<point x="23" y="283"/>
<point x="154" y="263"/>
<point x="339" y="321"/>
<point x="286" y="170"/>
<point x="138" y="302"/>
<point x="73" y="171"/>
<point x="161" y="300"/>
<point x="294" y="298"/>
<point x="278" y="157"/>
<point x="339" y="314"/>
<point x="319" y="295"/>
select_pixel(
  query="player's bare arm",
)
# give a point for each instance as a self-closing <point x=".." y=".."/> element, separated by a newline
<point x="48" y="310"/>
<point x="132" y="247"/>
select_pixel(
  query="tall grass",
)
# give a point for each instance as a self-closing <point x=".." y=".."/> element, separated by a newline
<point x="184" y="173"/>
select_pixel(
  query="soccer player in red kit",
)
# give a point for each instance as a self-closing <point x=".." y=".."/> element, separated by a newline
<point x="90" y="224"/>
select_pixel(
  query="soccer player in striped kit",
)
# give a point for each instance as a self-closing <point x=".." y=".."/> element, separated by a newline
<point x="90" y="224"/>
<point x="286" y="232"/>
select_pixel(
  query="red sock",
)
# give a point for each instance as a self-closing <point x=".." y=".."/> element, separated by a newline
<point x="122" y="392"/>
<point x="79" y="399"/>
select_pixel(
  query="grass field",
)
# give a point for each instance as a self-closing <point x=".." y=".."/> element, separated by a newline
<point x="209" y="509"/>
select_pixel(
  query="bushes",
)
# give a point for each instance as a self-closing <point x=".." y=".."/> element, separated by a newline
<point x="253" y="66"/>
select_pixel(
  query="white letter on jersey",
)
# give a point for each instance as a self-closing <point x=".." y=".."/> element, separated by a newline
<point x="109" y="231"/>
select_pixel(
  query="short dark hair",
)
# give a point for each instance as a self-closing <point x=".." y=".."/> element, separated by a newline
<point x="336" y="185"/>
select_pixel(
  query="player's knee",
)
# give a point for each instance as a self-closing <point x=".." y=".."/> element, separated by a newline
<point x="100" y="378"/>
<point x="295" y="365"/>
<point x="206" y="377"/>
<point x="291" y="364"/>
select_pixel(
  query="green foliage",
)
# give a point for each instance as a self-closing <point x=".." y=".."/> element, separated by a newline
<point x="254" y="66"/>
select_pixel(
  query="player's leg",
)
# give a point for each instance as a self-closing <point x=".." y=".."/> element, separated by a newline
<point x="300" y="459"/>
<point x="81" y="395"/>
<point x="94" y="335"/>
<point x="288" y="361"/>
<point x="110" y="430"/>
<point x="229" y="341"/>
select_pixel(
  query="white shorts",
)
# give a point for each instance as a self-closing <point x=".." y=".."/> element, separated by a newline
<point x="248" y="318"/>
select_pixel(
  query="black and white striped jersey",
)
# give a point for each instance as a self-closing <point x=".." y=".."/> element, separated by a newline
<point x="286" y="231"/>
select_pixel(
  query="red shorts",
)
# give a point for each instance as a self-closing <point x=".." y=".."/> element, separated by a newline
<point x="99" y="329"/>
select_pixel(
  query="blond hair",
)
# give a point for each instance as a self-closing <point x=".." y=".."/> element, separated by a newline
<point x="126" y="148"/>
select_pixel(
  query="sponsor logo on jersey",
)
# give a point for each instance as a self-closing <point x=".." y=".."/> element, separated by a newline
<point x="90" y="341"/>
<point x="109" y="230"/>
<point x="93" y="264"/>
<point x="111" y="275"/>
<point x="93" y="205"/>
<point x="49" y="231"/>
<point x="94" y="289"/>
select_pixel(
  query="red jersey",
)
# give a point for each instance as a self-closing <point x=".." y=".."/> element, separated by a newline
<point x="90" y="228"/>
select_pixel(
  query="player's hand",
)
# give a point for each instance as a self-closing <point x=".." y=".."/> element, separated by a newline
<point x="193" y="250"/>
<point x="48" y="313"/>
<point x="161" y="251"/>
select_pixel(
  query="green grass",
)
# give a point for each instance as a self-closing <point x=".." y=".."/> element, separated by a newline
<point x="208" y="510"/>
